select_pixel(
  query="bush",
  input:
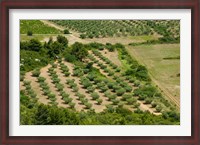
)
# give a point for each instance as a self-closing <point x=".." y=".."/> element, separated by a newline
<point x="46" y="91"/>
<point x="41" y="79"/>
<point x="67" y="74"/>
<point x="88" y="105"/>
<point x="158" y="108"/>
<point x="104" y="88"/>
<point x="95" y="96"/>
<point x="90" y="89"/>
<point x="82" y="36"/>
<point x="112" y="97"/>
<point x="136" y="105"/>
<point x="99" y="101"/>
<point x="67" y="100"/>
<point x="71" y="105"/>
<point x="59" y="87"/>
<point x="126" y="97"/>
<point x="115" y="101"/>
<point x="66" y="31"/>
<point x="153" y="104"/>
<point x="62" y="40"/>
<point x="55" y="80"/>
<point x="36" y="73"/>
<point x="64" y="95"/>
<point x="148" y="101"/>
<point x="128" y="88"/>
<point x="75" y="89"/>
<point x="120" y="92"/>
<point x="21" y="77"/>
<point x="51" y="95"/>
<point x="29" y="33"/>
<point x="131" y="101"/>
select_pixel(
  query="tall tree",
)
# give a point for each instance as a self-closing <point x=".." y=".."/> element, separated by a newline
<point x="79" y="50"/>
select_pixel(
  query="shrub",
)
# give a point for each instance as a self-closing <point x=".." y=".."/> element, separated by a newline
<point x="28" y="87"/>
<point x="75" y="89"/>
<point x="97" y="80"/>
<point x="52" y="99"/>
<point x="148" y="100"/>
<point x="120" y="91"/>
<point x="54" y="65"/>
<point x="117" y="70"/>
<point x="64" y="95"/>
<point x="36" y="73"/>
<point x="51" y="95"/>
<point x="66" y="31"/>
<point x="128" y="88"/>
<point x="111" y="97"/>
<point x="95" y="96"/>
<point x="59" y="87"/>
<point x="21" y="77"/>
<point x="104" y="88"/>
<point x="46" y="91"/>
<point x="136" y="104"/>
<point x="131" y="101"/>
<point x="41" y="79"/>
<point x="88" y="105"/>
<point x="110" y="73"/>
<point x="29" y="33"/>
<point x="120" y="104"/>
<point x="153" y="104"/>
<point x="126" y="96"/>
<point x="32" y="95"/>
<point x="116" y="87"/>
<point x="115" y="101"/>
<point x="67" y="74"/>
<point x="158" y="108"/>
<point x="71" y="105"/>
<point x="90" y="89"/>
<point x="82" y="36"/>
<point x="67" y="100"/>
<point x="99" y="101"/>
<point x="55" y="80"/>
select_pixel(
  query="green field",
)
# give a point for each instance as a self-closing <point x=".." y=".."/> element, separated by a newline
<point x="37" y="27"/>
<point x="164" y="71"/>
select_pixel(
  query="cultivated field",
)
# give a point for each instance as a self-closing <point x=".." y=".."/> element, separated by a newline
<point x="119" y="68"/>
<point x="163" y="63"/>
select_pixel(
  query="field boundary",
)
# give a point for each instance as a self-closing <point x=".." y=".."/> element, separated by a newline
<point x="165" y="91"/>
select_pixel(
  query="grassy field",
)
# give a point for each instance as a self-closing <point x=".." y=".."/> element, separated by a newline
<point x="37" y="27"/>
<point x="164" y="71"/>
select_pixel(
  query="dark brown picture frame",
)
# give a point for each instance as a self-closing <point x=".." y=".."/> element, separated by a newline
<point x="6" y="5"/>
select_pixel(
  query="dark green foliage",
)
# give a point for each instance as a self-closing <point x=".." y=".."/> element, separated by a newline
<point x="146" y="90"/>
<point x="62" y="40"/>
<point x="82" y="36"/>
<point x="55" y="49"/>
<point x="66" y="31"/>
<point x="120" y="91"/>
<point x="33" y="113"/>
<point x="36" y="73"/>
<point x="79" y="51"/>
<point x="29" y="33"/>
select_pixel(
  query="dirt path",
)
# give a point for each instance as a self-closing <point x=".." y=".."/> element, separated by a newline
<point x="154" y="80"/>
